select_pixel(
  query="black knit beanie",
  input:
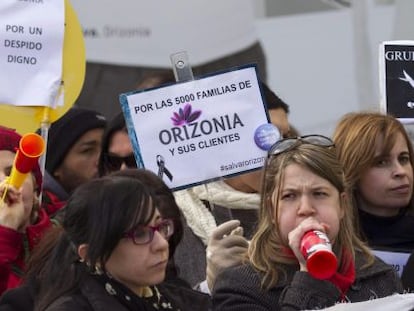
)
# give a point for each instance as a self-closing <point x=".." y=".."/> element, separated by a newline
<point x="64" y="133"/>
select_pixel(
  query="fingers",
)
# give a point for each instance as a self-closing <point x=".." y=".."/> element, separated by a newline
<point x="10" y="195"/>
<point x="296" y="235"/>
<point x="307" y="225"/>
<point x="226" y="248"/>
<point x="234" y="241"/>
<point x="237" y="231"/>
<point x="12" y="211"/>
<point x="221" y="259"/>
<point x="228" y="257"/>
<point x="13" y="195"/>
<point x="225" y="229"/>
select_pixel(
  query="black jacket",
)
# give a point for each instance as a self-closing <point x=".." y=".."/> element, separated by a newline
<point x="92" y="296"/>
<point x="19" y="298"/>
<point x="407" y="276"/>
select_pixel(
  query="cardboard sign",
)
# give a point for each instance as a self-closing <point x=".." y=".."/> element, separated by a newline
<point x="31" y="47"/>
<point x="397" y="79"/>
<point x="193" y="132"/>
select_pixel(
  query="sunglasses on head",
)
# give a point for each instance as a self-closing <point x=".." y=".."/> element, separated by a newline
<point x="289" y="143"/>
<point x="115" y="162"/>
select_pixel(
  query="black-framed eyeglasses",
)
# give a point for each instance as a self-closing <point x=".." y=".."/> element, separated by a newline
<point x="289" y="143"/>
<point x="144" y="234"/>
<point x="114" y="162"/>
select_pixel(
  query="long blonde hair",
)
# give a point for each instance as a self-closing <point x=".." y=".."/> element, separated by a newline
<point x="355" y="139"/>
<point x="267" y="250"/>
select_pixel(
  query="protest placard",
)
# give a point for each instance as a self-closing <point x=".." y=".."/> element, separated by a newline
<point x="396" y="258"/>
<point x="193" y="132"/>
<point x="396" y="65"/>
<point x="31" y="52"/>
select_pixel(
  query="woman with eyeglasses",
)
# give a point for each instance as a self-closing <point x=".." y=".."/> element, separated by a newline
<point x="117" y="157"/>
<point x="166" y="205"/>
<point x="303" y="190"/>
<point x="112" y="253"/>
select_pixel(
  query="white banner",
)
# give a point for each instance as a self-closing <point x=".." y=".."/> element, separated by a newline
<point x="397" y="259"/>
<point x="31" y="47"/>
<point x="197" y="131"/>
<point x="145" y="33"/>
<point x="395" y="302"/>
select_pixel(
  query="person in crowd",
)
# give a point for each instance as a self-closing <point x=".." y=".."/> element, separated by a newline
<point x="116" y="148"/>
<point x="117" y="156"/>
<point x="112" y="258"/>
<point x="303" y="189"/>
<point x="22" y="222"/>
<point x="165" y="202"/>
<point x="222" y="215"/>
<point x="23" y="297"/>
<point x="73" y="149"/>
<point x="377" y="157"/>
<point x="201" y="213"/>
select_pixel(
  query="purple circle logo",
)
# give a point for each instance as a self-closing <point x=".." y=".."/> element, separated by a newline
<point x="266" y="135"/>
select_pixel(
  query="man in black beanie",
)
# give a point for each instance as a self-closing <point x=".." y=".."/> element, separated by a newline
<point x="73" y="149"/>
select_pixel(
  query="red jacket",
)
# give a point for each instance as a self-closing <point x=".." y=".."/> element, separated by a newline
<point x="15" y="248"/>
<point x="51" y="203"/>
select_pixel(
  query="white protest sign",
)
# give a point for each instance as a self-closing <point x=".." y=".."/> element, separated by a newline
<point x="31" y="47"/>
<point x="199" y="130"/>
<point x="396" y="259"/>
<point x="396" y="302"/>
<point x="396" y="65"/>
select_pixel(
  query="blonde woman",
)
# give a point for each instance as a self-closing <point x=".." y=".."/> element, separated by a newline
<point x="303" y="189"/>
